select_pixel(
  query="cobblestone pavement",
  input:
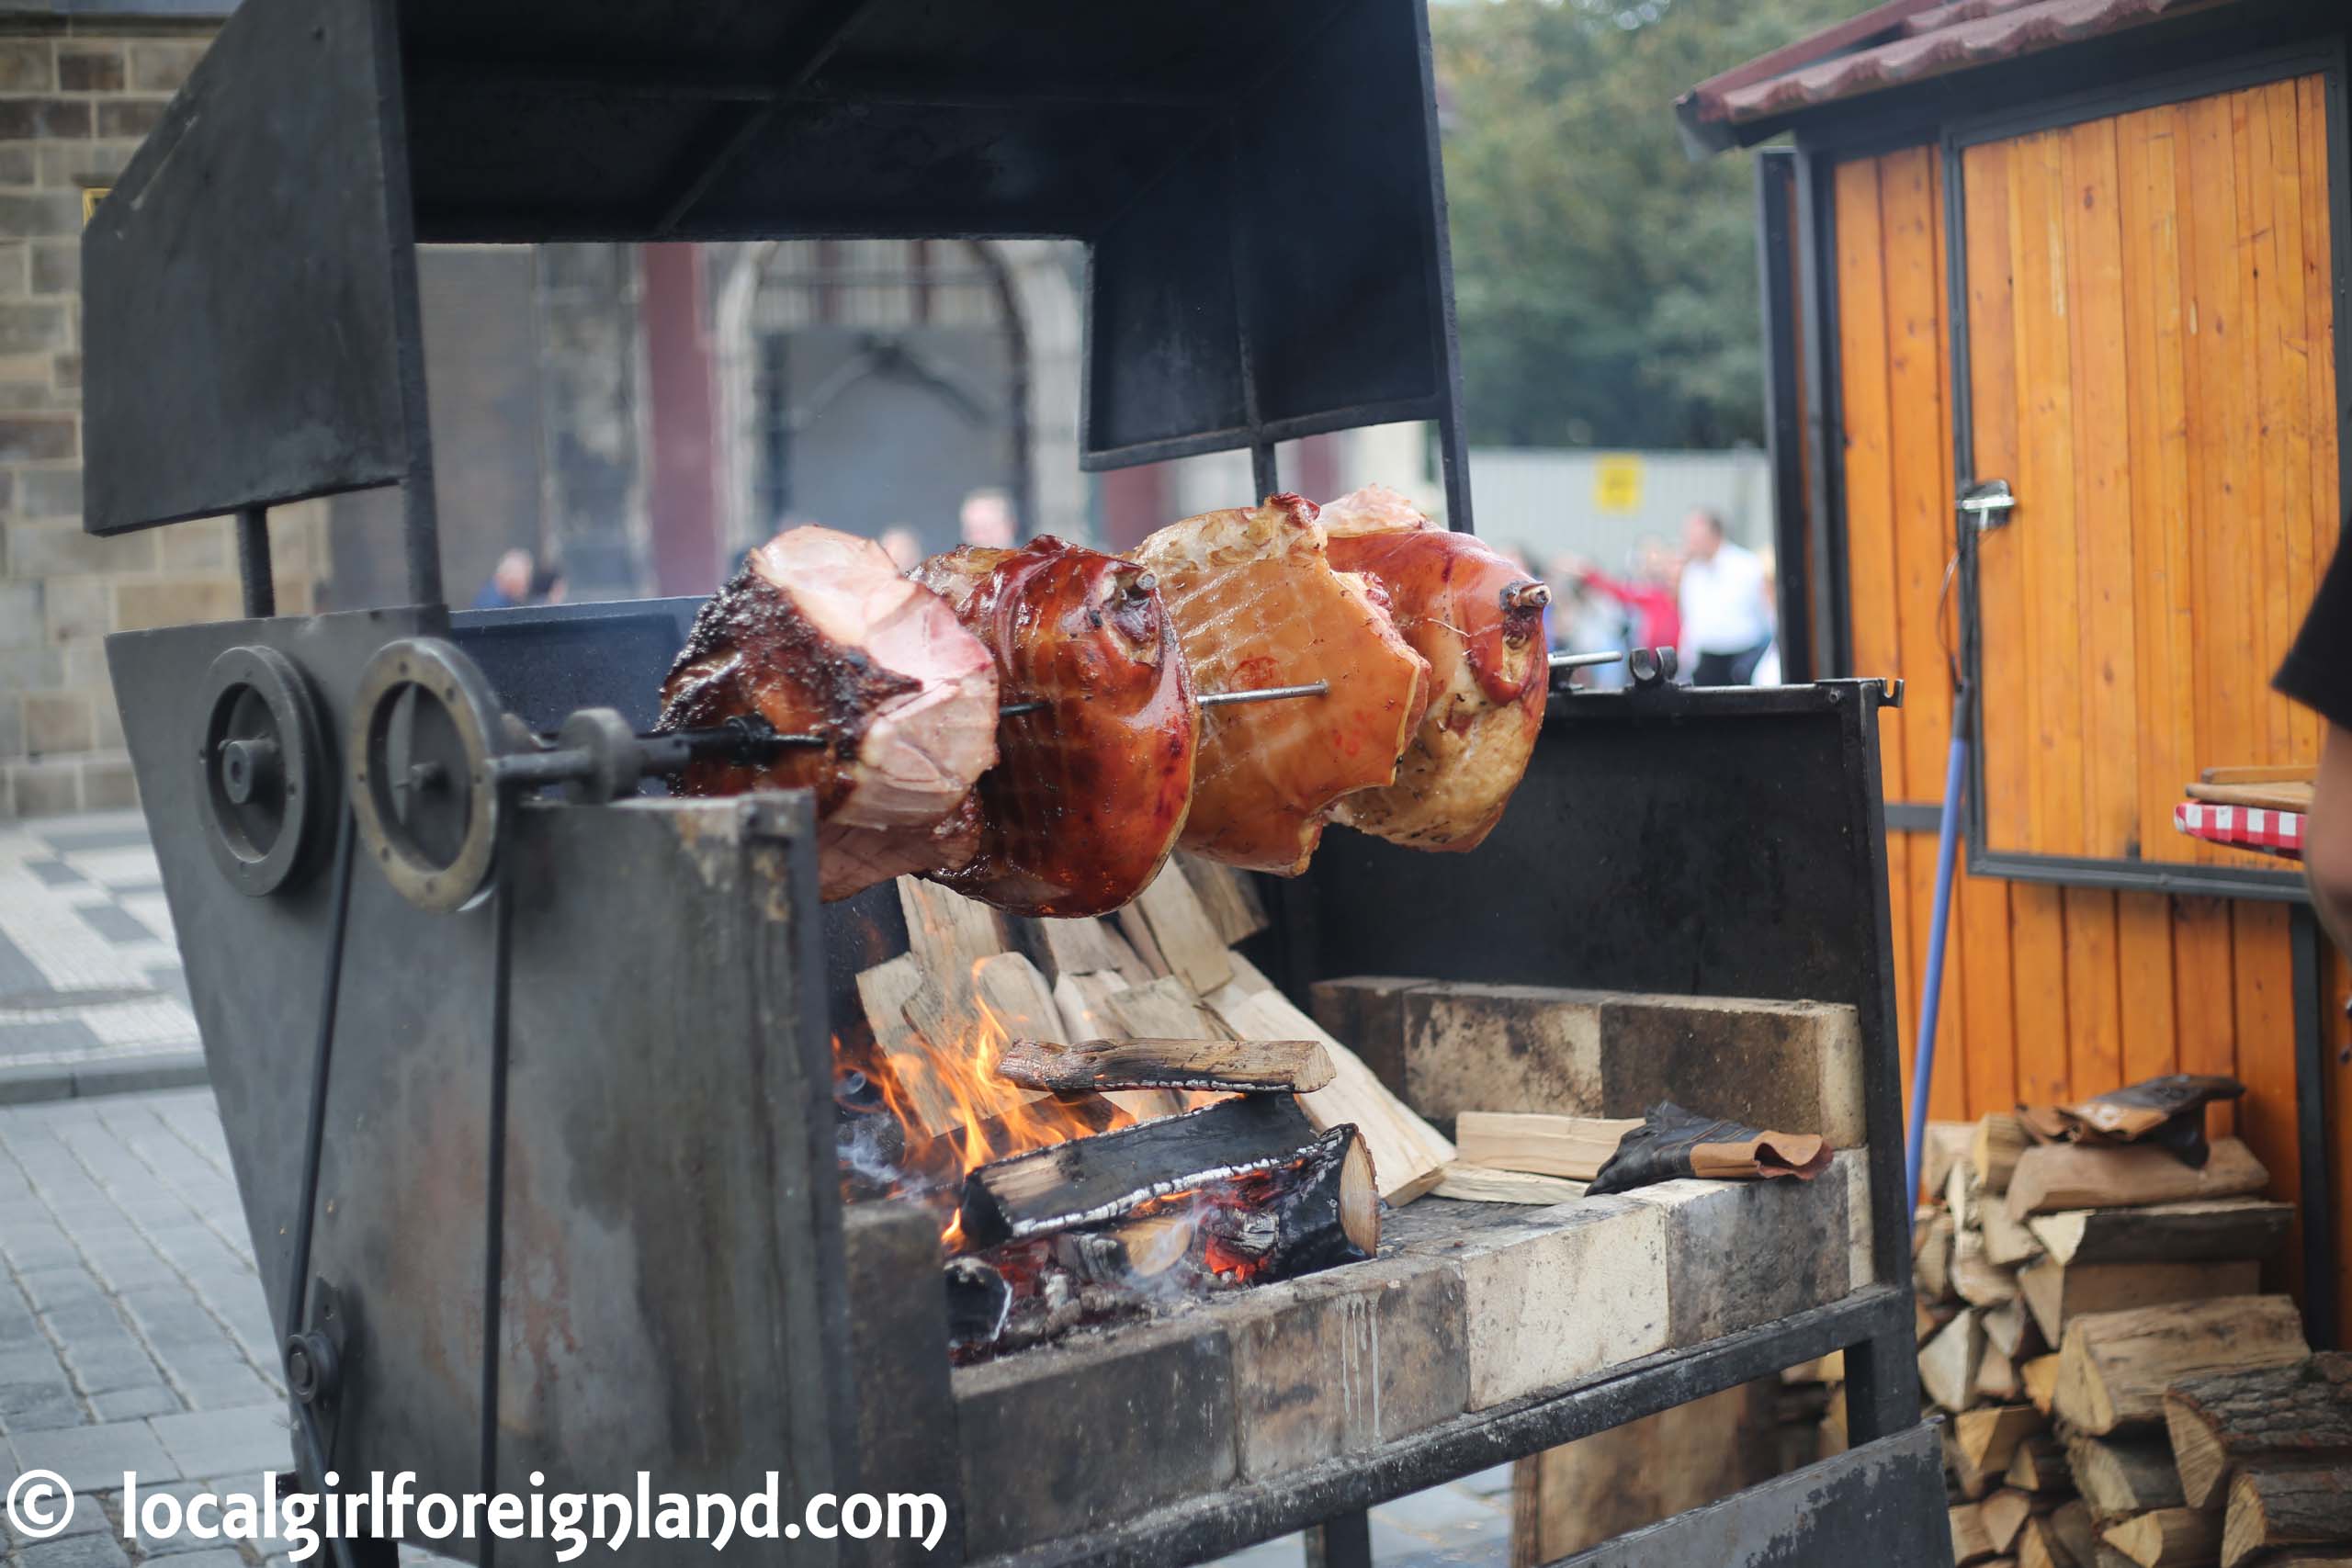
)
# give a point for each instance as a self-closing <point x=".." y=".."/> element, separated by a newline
<point x="92" y="996"/>
<point x="132" y="1331"/>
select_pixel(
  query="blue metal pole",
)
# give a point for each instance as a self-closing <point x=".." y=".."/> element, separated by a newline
<point x="1931" y="988"/>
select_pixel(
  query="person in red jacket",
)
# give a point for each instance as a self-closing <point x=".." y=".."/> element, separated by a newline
<point x="1652" y="596"/>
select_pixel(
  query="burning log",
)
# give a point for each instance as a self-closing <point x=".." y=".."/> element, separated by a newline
<point x="1257" y="1153"/>
<point x="1243" y="1066"/>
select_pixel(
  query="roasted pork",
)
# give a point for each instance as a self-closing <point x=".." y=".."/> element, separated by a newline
<point x="1478" y="620"/>
<point x="819" y="633"/>
<point x="1257" y="602"/>
<point x="1093" y="789"/>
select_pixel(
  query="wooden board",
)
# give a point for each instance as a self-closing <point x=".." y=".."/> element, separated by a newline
<point x="1576" y="1496"/>
<point x="884" y="991"/>
<point x="1477" y="1184"/>
<point x="2263" y="797"/>
<point x="1215" y="1065"/>
<point x="1571" y="1146"/>
<point x="1229" y="894"/>
<point x="1164" y="1009"/>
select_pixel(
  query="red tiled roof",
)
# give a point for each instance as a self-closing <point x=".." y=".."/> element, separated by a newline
<point x="1909" y="40"/>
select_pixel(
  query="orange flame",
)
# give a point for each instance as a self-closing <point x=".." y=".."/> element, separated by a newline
<point x="951" y="1090"/>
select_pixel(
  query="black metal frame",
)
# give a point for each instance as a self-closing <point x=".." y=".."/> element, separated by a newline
<point x="1957" y="136"/>
<point x="1777" y="218"/>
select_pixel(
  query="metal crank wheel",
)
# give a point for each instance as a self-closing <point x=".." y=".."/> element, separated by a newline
<point x="260" y="792"/>
<point x="425" y="736"/>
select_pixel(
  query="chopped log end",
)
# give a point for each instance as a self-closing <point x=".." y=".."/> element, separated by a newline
<point x="2168" y="1537"/>
<point x="2308" y="1506"/>
<point x="2297" y="1413"/>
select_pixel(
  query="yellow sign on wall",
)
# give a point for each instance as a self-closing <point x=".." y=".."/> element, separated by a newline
<point x="91" y="196"/>
<point x="1617" y="483"/>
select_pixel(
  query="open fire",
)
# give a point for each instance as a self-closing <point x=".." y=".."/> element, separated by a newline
<point x="1060" y="1207"/>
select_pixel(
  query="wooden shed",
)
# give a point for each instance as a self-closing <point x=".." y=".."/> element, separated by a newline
<point x="2097" y="249"/>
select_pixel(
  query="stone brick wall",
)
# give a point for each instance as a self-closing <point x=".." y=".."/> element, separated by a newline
<point x="75" y="96"/>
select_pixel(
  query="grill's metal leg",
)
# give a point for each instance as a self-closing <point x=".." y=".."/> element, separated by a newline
<point x="1264" y="477"/>
<point x="495" y="1229"/>
<point x="1343" y="1540"/>
<point x="1881" y="1389"/>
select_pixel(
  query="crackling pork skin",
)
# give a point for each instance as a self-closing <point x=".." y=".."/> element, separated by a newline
<point x="1480" y="622"/>
<point x="1257" y="604"/>
<point x="818" y="632"/>
<point x="1093" y="789"/>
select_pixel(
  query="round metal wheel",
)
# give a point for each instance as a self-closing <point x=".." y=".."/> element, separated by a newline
<point x="425" y="726"/>
<point x="259" y="761"/>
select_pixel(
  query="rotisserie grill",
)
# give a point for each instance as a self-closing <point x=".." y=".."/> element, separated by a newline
<point x="578" y="1136"/>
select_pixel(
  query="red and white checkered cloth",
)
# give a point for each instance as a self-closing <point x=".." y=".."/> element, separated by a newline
<point x="2277" y="833"/>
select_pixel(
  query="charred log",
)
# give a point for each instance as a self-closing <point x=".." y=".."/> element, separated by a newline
<point x="1090" y="1181"/>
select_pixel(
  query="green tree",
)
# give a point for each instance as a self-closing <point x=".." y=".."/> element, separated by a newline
<point x="1605" y="282"/>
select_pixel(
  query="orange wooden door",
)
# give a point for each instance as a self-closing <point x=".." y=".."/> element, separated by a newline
<point x="2149" y="349"/>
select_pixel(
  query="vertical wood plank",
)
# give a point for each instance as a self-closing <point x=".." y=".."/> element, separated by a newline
<point x="2161" y="551"/>
<point x="2316" y="171"/>
<point x="2038" y="969"/>
<point x="2005" y="742"/>
<point x="1906" y="990"/>
<point x="2143" y="949"/>
<point x="2265" y="1026"/>
<point x="2273" y="222"/>
<point x="1990" y="1052"/>
<point x="2051" y="644"/>
<point x="1920" y="455"/>
<point x="2222" y="432"/>
<point x="2205" y="994"/>
<point x="1864" y="411"/>
<point x="2094" y="1002"/>
<point x="2108" y="666"/>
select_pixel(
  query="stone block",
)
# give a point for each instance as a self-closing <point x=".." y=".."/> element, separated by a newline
<point x="28" y="119"/>
<point x="20" y="164"/>
<point x="94" y="1458"/>
<point x="1366" y="1014"/>
<point x="78" y="607"/>
<point x="129" y="117"/>
<point x="1787" y="1066"/>
<point x="161" y="67"/>
<point x="107" y="782"/>
<point x="90" y="68"/>
<point x="177" y="603"/>
<point x="50" y="492"/>
<point x="66" y="375"/>
<point x="1740" y="1254"/>
<point x="32" y="438"/>
<point x="1337" y="1362"/>
<point x="56" y="722"/>
<point x="32" y="216"/>
<point x="60" y="548"/>
<point x="20" y="624"/>
<point x="1562" y="1294"/>
<point x="1155" y="1406"/>
<point x="73" y="165"/>
<point x="26" y="65"/>
<point x="1481" y="1047"/>
<point x="15" y="269"/>
<point x="203" y="543"/>
<point x="56" y="266"/>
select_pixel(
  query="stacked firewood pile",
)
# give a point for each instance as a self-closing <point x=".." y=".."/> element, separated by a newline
<point x="2120" y="1390"/>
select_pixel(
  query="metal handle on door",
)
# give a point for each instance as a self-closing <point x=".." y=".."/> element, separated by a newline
<point x="1987" y="505"/>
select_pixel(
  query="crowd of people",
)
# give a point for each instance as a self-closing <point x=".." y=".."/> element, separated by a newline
<point x="1710" y="601"/>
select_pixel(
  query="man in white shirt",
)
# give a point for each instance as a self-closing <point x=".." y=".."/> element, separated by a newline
<point x="1726" y="609"/>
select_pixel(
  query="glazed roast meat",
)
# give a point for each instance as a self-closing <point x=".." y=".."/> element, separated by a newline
<point x="1257" y="602"/>
<point x="819" y="633"/>
<point x="1093" y="789"/>
<point x="1478" y="619"/>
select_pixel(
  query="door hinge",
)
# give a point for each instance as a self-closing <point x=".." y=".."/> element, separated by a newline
<point x="1987" y="505"/>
